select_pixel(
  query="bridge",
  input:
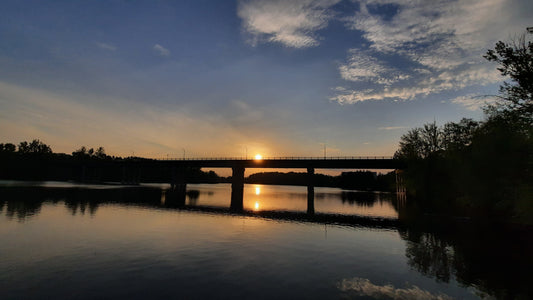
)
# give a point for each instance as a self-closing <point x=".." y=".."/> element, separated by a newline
<point x="238" y="166"/>
<point x="290" y="162"/>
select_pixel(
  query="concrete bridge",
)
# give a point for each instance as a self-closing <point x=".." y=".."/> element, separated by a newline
<point x="238" y="166"/>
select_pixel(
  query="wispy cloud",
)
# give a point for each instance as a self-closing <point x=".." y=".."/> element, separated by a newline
<point x="473" y="101"/>
<point x="440" y="44"/>
<point x="362" y="66"/>
<point x="291" y="23"/>
<point x="106" y="46"/>
<point x="160" y="50"/>
<point x="392" y="127"/>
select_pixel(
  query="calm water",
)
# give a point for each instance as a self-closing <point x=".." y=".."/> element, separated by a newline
<point x="66" y="241"/>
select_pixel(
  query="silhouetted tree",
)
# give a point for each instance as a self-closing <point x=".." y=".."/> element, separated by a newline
<point x="421" y="142"/>
<point x="100" y="153"/>
<point x="35" y="147"/>
<point x="516" y="62"/>
<point x="459" y="135"/>
<point x="91" y="153"/>
<point x="7" y="148"/>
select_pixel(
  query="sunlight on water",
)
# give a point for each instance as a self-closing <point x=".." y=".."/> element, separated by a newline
<point x="294" y="198"/>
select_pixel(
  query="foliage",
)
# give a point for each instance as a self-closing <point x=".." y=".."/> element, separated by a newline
<point x="482" y="169"/>
<point x="516" y="62"/>
<point x="469" y="167"/>
<point x="35" y="147"/>
<point x="7" y="148"/>
<point x="91" y="153"/>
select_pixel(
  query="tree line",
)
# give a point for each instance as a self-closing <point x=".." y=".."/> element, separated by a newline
<point x="357" y="180"/>
<point x="481" y="169"/>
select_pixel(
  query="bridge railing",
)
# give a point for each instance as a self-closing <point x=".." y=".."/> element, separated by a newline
<point x="278" y="158"/>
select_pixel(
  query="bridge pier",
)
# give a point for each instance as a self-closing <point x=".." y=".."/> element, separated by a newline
<point x="131" y="174"/>
<point x="237" y="189"/>
<point x="310" y="191"/>
<point x="176" y="195"/>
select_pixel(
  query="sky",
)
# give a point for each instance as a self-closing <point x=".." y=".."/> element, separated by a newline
<point x="234" y="78"/>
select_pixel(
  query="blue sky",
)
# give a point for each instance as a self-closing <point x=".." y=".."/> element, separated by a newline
<point x="222" y="78"/>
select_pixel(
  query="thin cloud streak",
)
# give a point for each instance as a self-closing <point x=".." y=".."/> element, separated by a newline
<point x="392" y="128"/>
<point x="160" y="50"/>
<point x="106" y="46"/>
<point x="474" y="102"/>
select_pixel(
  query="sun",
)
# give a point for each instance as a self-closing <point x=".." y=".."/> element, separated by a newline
<point x="258" y="157"/>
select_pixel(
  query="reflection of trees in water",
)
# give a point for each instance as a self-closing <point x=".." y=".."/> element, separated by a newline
<point x="361" y="199"/>
<point x="430" y="255"/>
<point x="498" y="262"/>
<point x="364" y="199"/>
<point x="81" y="205"/>
<point x="24" y="202"/>
<point x="193" y="196"/>
<point x="81" y="200"/>
<point x="21" y="203"/>
<point x="21" y="209"/>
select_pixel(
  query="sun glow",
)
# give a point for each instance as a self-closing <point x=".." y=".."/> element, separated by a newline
<point x="256" y="206"/>
<point x="258" y="157"/>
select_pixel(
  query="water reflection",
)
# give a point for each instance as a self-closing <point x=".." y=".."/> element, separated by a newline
<point x="267" y="201"/>
<point x="362" y="287"/>
<point x="494" y="260"/>
<point x="360" y="199"/>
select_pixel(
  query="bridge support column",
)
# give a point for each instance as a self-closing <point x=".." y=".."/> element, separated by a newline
<point x="310" y="190"/>
<point x="237" y="189"/>
<point x="176" y="195"/>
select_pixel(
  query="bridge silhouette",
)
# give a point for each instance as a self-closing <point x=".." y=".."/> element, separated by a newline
<point x="239" y="165"/>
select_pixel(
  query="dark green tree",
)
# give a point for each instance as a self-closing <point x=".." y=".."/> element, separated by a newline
<point x="458" y="136"/>
<point x="35" y="147"/>
<point x="80" y="153"/>
<point x="515" y="61"/>
<point x="7" y="148"/>
<point x="90" y="153"/>
<point x="421" y="142"/>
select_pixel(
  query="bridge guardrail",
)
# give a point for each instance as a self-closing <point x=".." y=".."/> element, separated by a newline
<point x="279" y="158"/>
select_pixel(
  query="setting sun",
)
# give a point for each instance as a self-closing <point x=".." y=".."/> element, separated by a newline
<point x="258" y="157"/>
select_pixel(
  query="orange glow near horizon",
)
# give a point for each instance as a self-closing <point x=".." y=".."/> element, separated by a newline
<point x="258" y="157"/>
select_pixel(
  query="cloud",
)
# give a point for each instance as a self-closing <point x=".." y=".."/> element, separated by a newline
<point x="364" y="288"/>
<point x="160" y="50"/>
<point x="392" y="127"/>
<point x="439" y="43"/>
<point x="106" y="46"/>
<point x="291" y="23"/>
<point x="473" y="101"/>
<point x="363" y="67"/>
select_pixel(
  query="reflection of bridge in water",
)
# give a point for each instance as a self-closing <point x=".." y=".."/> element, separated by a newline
<point x="238" y="166"/>
<point x="24" y="202"/>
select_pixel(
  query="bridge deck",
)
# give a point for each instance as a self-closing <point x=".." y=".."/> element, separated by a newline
<point x="368" y="162"/>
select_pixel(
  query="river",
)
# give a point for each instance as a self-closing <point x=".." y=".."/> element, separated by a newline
<point x="73" y="241"/>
